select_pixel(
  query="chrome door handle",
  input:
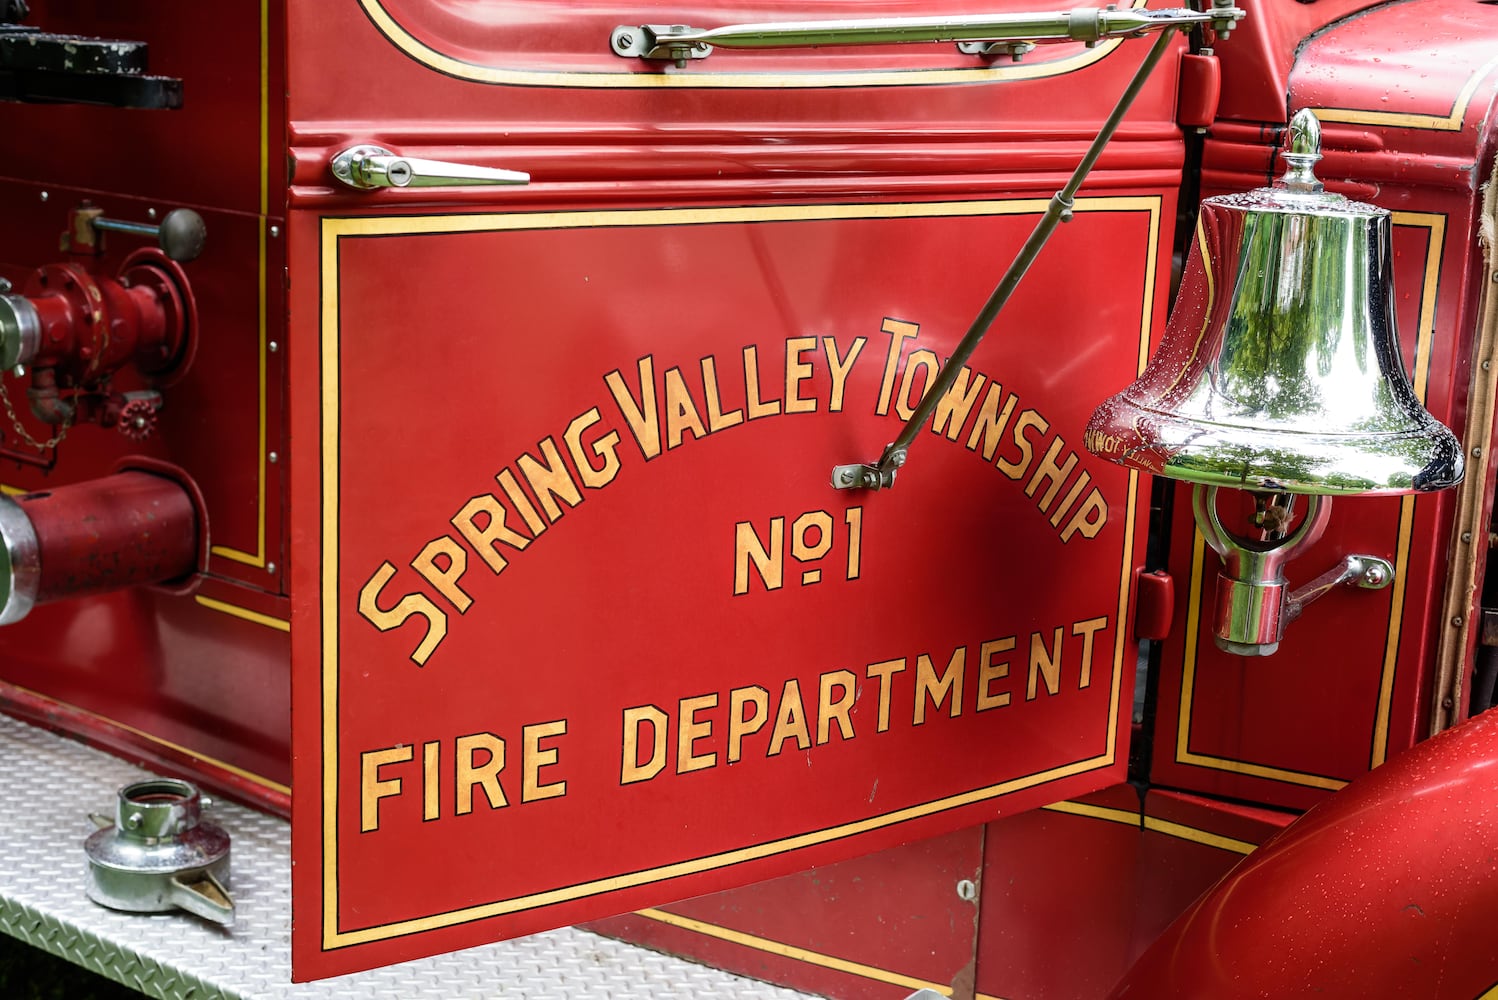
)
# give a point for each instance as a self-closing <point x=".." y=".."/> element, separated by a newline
<point x="369" y="167"/>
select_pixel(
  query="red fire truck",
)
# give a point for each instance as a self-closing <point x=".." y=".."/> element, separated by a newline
<point x="869" y="496"/>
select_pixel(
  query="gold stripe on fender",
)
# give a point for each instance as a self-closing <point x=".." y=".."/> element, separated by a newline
<point x="795" y="953"/>
<point x="178" y="748"/>
<point x="1451" y="122"/>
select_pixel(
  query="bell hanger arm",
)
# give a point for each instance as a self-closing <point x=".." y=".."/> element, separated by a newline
<point x="881" y="474"/>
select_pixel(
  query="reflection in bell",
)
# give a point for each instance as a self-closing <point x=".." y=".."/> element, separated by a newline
<point x="1280" y="367"/>
<point x="1280" y="373"/>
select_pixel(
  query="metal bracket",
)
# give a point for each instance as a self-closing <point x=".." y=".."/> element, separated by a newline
<point x="998" y="50"/>
<point x="878" y="475"/>
<point x="1364" y="572"/>
<point x="1253" y="603"/>
<point x="862" y="477"/>
<point x="654" y="41"/>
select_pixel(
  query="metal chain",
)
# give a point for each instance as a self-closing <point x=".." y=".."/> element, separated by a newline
<point x="10" y="411"/>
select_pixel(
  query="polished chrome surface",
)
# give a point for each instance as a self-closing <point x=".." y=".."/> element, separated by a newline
<point x="1302" y="153"/>
<point x="20" y="562"/>
<point x="160" y="855"/>
<point x="1362" y="571"/>
<point x="20" y="331"/>
<point x="680" y="42"/>
<point x="1280" y="369"/>
<point x="1252" y="595"/>
<point x="367" y="167"/>
<point x="1253" y="601"/>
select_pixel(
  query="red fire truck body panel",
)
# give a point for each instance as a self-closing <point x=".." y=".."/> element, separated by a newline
<point x="624" y="318"/>
<point x="524" y="584"/>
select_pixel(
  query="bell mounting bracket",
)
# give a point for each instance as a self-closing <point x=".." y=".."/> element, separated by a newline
<point x="1253" y="601"/>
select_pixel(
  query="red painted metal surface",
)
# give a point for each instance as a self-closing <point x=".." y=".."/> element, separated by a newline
<point x="90" y="326"/>
<point x="1201" y="90"/>
<point x="880" y="926"/>
<point x="195" y="680"/>
<point x="119" y="531"/>
<point x="625" y="434"/>
<point x="94" y="326"/>
<point x="792" y="205"/>
<point x="1257" y="63"/>
<point x="1098" y="875"/>
<point x="1276" y="729"/>
<point x="1155" y="600"/>
<point x="1383" y="890"/>
<point x="856" y="653"/>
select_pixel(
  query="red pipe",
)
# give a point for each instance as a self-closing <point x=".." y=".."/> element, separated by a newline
<point x="96" y="536"/>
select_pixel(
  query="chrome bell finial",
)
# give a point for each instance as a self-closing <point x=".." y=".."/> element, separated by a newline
<point x="1280" y="373"/>
<point x="1302" y="154"/>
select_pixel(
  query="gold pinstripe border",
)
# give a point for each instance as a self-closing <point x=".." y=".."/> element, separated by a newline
<point x="1424" y="345"/>
<point x="269" y="621"/>
<point x="257" y="559"/>
<point x="336" y="229"/>
<point x="1178" y="830"/>
<point x="240" y="772"/>
<point x="798" y="954"/>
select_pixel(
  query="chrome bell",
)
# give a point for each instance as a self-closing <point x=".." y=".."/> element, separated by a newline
<point x="1280" y="373"/>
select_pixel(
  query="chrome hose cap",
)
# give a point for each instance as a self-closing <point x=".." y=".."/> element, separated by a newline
<point x="158" y="854"/>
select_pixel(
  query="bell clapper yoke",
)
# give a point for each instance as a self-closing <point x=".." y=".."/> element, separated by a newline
<point x="1254" y="602"/>
<point x="881" y="474"/>
<point x="1280" y="373"/>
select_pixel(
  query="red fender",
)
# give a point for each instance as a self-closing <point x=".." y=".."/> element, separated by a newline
<point x="1387" y="889"/>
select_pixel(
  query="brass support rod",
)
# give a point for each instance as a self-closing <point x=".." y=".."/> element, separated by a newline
<point x="1058" y="211"/>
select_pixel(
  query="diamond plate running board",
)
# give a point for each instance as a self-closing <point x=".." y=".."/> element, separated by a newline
<point x="174" y="956"/>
